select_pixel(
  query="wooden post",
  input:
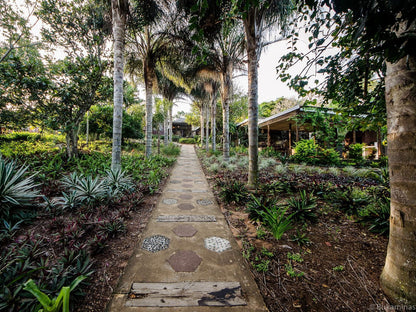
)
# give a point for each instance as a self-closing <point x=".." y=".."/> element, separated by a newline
<point x="290" y="139"/>
<point x="297" y="133"/>
<point x="378" y="143"/>
<point x="268" y="136"/>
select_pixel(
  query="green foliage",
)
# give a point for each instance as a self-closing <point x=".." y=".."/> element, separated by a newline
<point x="54" y="304"/>
<point x="187" y="141"/>
<point x="338" y="268"/>
<point x="290" y="271"/>
<point x="301" y="238"/>
<point x="295" y="257"/>
<point x="171" y="150"/>
<point x="377" y="216"/>
<point x="303" y="207"/>
<point x="348" y="199"/>
<point x="113" y="227"/>
<point x="259" y="203"/>
<point x="276" y="220"/>
<point x="307" y="151"/>
<point x="16" y="190"/>
<point x="117" y="182"/>
<point x="88" y="190"/>
<point x="355" y="151"/>
<point x="232" y="191"/>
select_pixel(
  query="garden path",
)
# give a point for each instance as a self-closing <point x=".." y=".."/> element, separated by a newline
<point x="187" y="258"/>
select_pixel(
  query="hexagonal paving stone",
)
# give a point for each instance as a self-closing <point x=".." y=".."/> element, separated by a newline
<point x="204" y="202"/>
<point x="184" y="261"/>
<point x="170" y="201"/>
<point x="155" y="243"/>
<point x="185" y="230"/>
<point x="217" y="244"/>
<point x="186" y="206"/>
<point x="185" y="196"/>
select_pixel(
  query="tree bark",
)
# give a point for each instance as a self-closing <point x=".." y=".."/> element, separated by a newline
<point x="253" y="135"/>
<point x="213" y="121"/>
<point x="148" y="76"/>
<point x="72" y="141"/>
<point x="398" y="279"/>
<point x="226" y="89"/>
<point x="202" y="124"/>
<point x="207" y="128"/>
<point x="119" y="25"/>
<point x="170" y="124"/>
<point x="165" y="131"/>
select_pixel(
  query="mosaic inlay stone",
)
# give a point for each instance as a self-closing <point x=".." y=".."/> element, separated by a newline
<point x="186" y="206"/>
<point x="155" y="243"/>
<point x="217" y="244"/>
<point x="185" y="230"/>
<point x="204" y="202"/>
<point x="186" y="218"/>
<point x="170" y="201"/>
<point x="184" y="261"/>
<point x="185" y="196"/>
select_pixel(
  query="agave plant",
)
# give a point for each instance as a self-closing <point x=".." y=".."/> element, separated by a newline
<point x="117" y="182"/>
<point x="89" y="189"/>
<point x="15" y="189"/>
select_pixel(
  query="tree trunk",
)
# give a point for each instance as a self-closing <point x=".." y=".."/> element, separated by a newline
<point x="226" y="85"/>
<point x="149" y="106"/>
<point x="165" y="131"/>
<point x="213" y="121"/>
<point x="72" y="141"/>
<point x="119" y="26"/>
<point x="170" y="124"/>
<point x="253" y="135"/>
<point x="398" y="279"/>
<point x="207" y="127"/>
<point x="202" y="124"/>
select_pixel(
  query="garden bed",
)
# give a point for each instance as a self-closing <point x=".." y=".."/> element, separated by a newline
<point x="330" y="263"/>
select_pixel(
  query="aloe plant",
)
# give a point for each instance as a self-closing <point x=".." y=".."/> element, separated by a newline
<point x="54" y="304"/>
<point x="15" y="189"/>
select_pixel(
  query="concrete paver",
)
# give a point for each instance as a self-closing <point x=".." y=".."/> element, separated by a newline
<point x="187" y="193"/>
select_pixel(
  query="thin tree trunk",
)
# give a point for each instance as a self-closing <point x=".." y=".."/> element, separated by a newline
<point x="226" y="85"/>
<point x="207" y="127"/>
<point x="88" y="128"/>
<point x="253" y="135"/>
<point x="213" y="121"/>
<point x="72" y="142"/>
<point x="170" y="124"/>
<point x="149" y="107"/>
<point x="119" y="23"/>
<point x="398" y="277"/>
<point x="165" y="131"/>
<point x="202" y="124"/>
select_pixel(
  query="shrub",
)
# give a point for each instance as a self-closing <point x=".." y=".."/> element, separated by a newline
<point x="187" y="140"/>
<point x="355" y="151"/>
<point x="171" y="150"/>
<point x="303" y="208"/>
<point x="377" y="216"/>
<point x="233" y="191"/>
<point x="257" y="204"/>
<point x="16" y="190"/>
<point x="307" y="151"/>
<point x="275" y="219"/>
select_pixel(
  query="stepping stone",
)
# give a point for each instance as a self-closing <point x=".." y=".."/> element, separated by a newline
<point x="184" y="261"/>
<point x="186" y="206"/>
<point x="186" y="294"/>
<point x="186" y="218"/>
<point x="217" y="244"/>
<point x="185" y="196"/>
<point x="204" y="202"/>
<point x="185" y="230"/>
<point x="170" y="201"/>
<point x="187" y="185"/>
<point x="175" y="181"/>
<point x="187" y="180"/>
<point x="155" y="243"/>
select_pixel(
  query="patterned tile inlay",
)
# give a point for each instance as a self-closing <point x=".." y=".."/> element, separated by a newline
<point x="184" y="261"/>
<point x="186" y="218"/>
<point x="185" y="196"/>
<point x="170" y="201"/>
<point x="204" y="202"/>
<point x="185" y="230"/>
<point x="186" y="206"/>
<point x="217" y="244"/>
<point x="155" y="243"/>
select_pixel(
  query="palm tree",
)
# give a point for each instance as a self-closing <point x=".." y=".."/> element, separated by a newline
<point x="119" y="9"/>
<point x="148" y="48"/>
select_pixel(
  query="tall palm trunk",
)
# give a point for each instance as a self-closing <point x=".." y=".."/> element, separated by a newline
<point x="202" y="124"/>
<point x="226" y="89"/>
<point x="170" y="124"/>
<point x="398" y="278"/>
<point x="213" y="120"/>
<point x="253" y="133"/>
<point x="119" y="26"/>
<point x="148" y="76"/>
<point x="165" y="130"/>
<point x="207" y="127"/>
